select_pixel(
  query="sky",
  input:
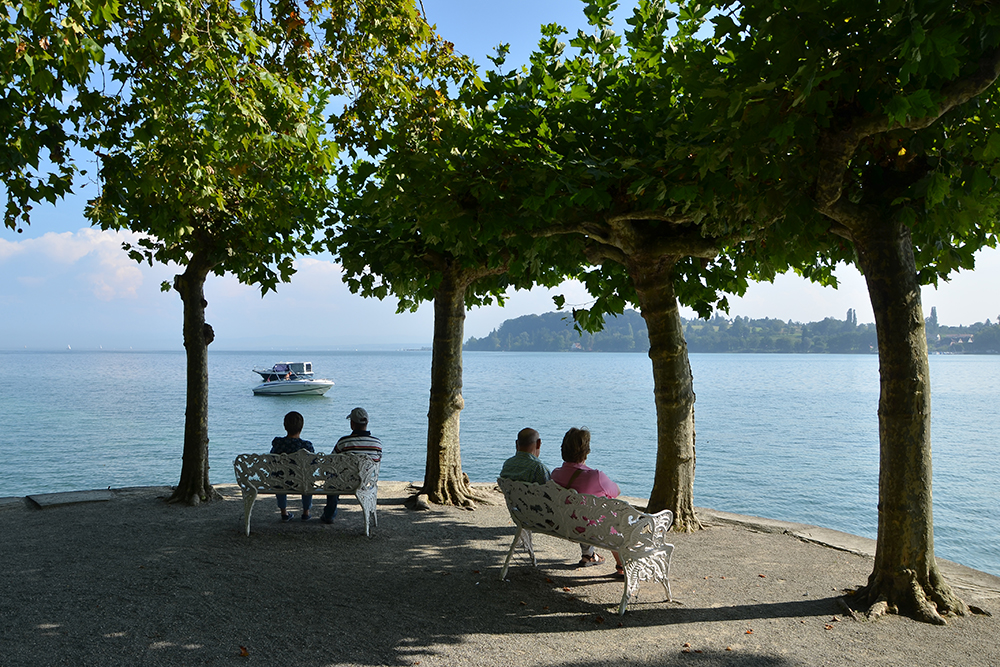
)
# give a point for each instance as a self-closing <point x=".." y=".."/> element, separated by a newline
<point x="64" y="284"/>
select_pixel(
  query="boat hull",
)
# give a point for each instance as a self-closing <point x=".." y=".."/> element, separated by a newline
<point x="293" y="388"/>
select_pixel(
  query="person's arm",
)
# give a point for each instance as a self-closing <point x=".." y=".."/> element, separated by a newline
<point x="610" y="488"/>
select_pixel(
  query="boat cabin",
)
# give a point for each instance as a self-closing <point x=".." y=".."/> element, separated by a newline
<point x="291" y="370"/>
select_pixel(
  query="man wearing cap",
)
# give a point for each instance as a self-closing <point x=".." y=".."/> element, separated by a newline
<point x="525" y="466"/>
<point x="360" y="441"/>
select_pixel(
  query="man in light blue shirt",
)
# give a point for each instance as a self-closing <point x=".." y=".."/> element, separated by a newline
<point x="525" y="465"/>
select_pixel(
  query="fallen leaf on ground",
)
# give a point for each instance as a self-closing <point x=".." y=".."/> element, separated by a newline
<point x="729" y="648"/>
<point x="566" y="588"/>
<point x="548" y="580"/>
<point x="244" y="653"/>
<point x="687" y="645"/>
<point x="762" y="576"/>
<point x="599" y="619"/>
<point x="749" y="632"/>
<point x="828" y="626"/>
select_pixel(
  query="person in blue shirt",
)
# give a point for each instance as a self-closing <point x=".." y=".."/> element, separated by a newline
<point x="525" y="466"/>
<point x="289" y="444"/>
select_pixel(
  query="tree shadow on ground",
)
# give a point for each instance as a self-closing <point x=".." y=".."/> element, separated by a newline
<point x="154" y="584"/>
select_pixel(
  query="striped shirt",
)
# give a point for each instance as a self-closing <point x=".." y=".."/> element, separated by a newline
<point x="360" y="442"/>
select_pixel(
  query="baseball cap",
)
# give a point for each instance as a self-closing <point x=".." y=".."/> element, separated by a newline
<point x="358" y="416"/>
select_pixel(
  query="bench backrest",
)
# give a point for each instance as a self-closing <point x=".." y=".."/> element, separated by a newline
<point x="551" y="509"/>
<point x="305" y="472"/>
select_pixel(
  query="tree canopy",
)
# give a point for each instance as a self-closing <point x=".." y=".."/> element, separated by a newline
<point x="878" y="120"/>
<point x="48" y="54"/>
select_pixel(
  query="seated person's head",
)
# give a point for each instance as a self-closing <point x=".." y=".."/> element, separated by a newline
<point x="294" y="423"/>
<point x="576" y="445"/>
<point x="359" y="419"/>
<point x="528" y="440"/>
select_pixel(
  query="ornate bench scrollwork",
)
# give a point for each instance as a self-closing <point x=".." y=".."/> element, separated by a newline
<point x="639" y="538"/>
<point x="309" y="474"/>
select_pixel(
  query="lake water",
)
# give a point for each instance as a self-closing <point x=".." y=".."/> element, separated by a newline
<point x="792" y="437"/>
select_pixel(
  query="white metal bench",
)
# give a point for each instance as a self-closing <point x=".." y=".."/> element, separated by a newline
<point x="308" y="473"/>
<point x="639" y="538"/>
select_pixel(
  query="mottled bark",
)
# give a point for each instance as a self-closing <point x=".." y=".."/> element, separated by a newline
<point x="905" y="577"/>
<point x="444" y="481"/>
<point x="673" y="390"/>
<point x="194" y="486"/>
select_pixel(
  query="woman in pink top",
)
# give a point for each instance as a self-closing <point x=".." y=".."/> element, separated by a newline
<point x="573" y="474"/>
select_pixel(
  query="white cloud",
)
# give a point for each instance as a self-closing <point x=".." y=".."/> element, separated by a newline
<point x="116" y="281"/>
<point x="9" y="249"/>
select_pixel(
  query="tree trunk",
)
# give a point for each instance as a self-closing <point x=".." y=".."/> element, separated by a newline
<point x="194" y="486"/>
<point x="673" y="390"/>
<point x="444" y="481"/>
<point x="905" y="577"/>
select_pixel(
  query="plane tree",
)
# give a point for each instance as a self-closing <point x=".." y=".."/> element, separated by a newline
<point x="405" y="227"/>
<point x="883" y="121"/>
<point x="216" y="154"/>
<point x="48" y="53"/>
<point x="215" y="145"/>
<point x="576" y="154"/>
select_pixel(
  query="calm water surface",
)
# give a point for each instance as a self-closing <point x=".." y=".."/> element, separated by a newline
<point x="784" y="436"/>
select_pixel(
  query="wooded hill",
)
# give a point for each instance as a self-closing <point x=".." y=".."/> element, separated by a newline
<point x="553" y="332"/>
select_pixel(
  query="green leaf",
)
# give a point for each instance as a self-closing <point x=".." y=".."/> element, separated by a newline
<point x="938" y="188"/>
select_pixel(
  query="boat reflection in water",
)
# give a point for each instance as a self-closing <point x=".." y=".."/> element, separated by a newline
<point x="290" y="378"/>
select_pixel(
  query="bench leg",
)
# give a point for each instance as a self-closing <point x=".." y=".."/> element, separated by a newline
<point x="249" y="496"/>
<point x="522" y="536"/>
<point x="650" y="567"/>
<point x="526" y="538"/>
<point x="368" y="499"/>
<point x="510" y="552"/>
<point x="631" y="586"/>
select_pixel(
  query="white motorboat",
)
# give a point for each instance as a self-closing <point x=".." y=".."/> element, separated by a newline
<point x="290" y="378"/>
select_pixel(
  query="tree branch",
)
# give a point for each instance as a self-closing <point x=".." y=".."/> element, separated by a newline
<point x="836" y="149"/>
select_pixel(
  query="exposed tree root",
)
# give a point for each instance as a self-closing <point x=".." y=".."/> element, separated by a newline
<point x="846" y="608"/>
<point x="191" y="497"/>
<point x="417" y="501"/>
<point x="903" y="593"/>
<point x="451" y="491"/>
<point x="687" y="523"/>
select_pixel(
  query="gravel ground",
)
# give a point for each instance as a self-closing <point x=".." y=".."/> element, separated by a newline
<point x="134" y="581"/>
